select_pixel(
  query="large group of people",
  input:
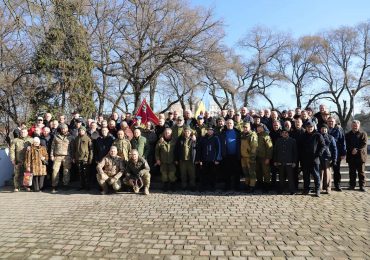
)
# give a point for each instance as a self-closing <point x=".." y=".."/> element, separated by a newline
<point x="269" y="149"/>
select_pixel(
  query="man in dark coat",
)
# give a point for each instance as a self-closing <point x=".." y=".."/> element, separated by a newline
<point x="285" y="158"/>
<point x="312" y="147"/>
<point x="208" y="157"/>
<point x="102" y="145"/>
<point x="297" y="134"/>
<point x="356" y="141"/>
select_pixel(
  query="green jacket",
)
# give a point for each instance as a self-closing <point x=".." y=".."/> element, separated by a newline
<point x="141" y="145"/>
<point x="177" y="131"/>
<point x="82" y="149"/>
<point x="18" y="149"/>
<point x="264" y="149"/>
<point x="248" y="145"/>
<point x="165" y="151"/>
<point x="123" y="148"/>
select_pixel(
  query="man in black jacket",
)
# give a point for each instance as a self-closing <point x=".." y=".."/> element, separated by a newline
<point x="102" y="145"/>
<point x="297" y="135"/>
<point x="356" y="141"/>
<point x="311" y="149"/>
<point x="285" y="157"/>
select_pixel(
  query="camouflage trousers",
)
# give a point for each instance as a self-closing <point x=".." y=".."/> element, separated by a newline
<point x="249" y="170"/>
<point x="104" y="180"/>
<point x="59" y="161"/>
<point x="132" y="180"/>
<point x="187" y="169"/>
<point x="18" y="175"/>
<point x="262" y="171"/>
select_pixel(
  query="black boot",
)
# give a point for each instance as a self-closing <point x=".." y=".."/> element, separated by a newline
<point x="165" y="186"/>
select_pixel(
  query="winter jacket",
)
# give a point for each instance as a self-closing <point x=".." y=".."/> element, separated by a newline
<point x="209" y="149"/>
<point x="330" y="153"/>
<point x="34" y="162"/>
<point x="61" y="145"/>
<point x="18" y="149"/>
<point x="123" y="148"/>
<point x="356" y="140"/>
<point x="338" y="133"/>
<point x="248" y="145"/>
<point x="311" y="148"/>
<point x="102" y="147"/>
<point x="137" y="169"/>
<point x="265" y="148"/>
<point x="224" y="145"/>
<point x="184" y="146"/>
<point x="82" y="149"/>
<point x="165" y="151"/>
<point x="140" y="144"/>
<point x="285" y="151"/>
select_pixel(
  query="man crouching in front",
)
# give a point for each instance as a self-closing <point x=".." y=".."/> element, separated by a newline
<point x="138" y="175"/>
<point x="110" y="170"/>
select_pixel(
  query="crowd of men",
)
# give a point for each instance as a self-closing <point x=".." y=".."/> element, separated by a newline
<point x="269" y="149"/>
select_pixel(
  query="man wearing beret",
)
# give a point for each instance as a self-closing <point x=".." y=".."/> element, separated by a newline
<point x="82" y="156"/>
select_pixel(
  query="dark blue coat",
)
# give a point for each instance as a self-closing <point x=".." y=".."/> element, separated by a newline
<point x="338" y="134"/>
<point x="208" y="149"/>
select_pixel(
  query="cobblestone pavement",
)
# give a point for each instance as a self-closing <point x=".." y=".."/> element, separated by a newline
<point x="184" y="226"/>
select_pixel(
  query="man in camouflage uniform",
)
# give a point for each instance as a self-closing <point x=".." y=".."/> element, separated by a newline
<point x="82" y="156"/>
<point x="18" y="150"/>
<point x="248" y="148"/>
<point x="263" y="157"/>
<point x="60" y="154"/>
<point x="123" y="145"/>
<point x="164" y="155"/>
<point x="110" y="170"/>
<point x="137" y="173"/>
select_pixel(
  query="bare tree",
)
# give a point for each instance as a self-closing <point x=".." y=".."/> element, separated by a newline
<point x="344" y="66"/>
<point x="153" y="35"/>
<point x="261" y="66"/>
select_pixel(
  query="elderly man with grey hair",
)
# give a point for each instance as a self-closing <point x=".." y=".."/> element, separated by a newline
<point x="356" y="141"/>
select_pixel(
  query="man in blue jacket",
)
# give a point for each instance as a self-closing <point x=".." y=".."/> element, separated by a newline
<point x="230" y="147"/>
<point x="208" y="157"/>
<point x="337" y="132"/>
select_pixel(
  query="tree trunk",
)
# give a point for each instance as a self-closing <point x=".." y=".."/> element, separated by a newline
<point x="152" y="89"/>
<point x="137" y="95"/>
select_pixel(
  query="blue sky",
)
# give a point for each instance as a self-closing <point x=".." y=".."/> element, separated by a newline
<point x="297" y="17"/>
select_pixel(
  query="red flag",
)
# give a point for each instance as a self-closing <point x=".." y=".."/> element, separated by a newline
<point x="146" y="113"/>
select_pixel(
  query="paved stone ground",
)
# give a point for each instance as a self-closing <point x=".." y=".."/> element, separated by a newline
<point x="184" y="226"/>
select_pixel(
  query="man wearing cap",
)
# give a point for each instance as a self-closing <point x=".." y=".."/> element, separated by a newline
<point x="77" y="125"/>
<point x="140" y="143"/>
<point x="18" y="148"/>
<point x="61" y="154"/>
<point x="238" y="122"/>
<point x="248" y="149"/>
<point x="263" y="158"/>
<point x="110" y="170"/>
<point x="178" y="128"/>
<point x="337" y="132"/>
<point x="200" y="127"/>
<point x="39" y="124"/>
<point x="285" y="157"/>
<point x="356" y="141"/>
<point x="82" y="156"/>
<point x="185" y="152"/>
<point x="257" y="122"/>
<point x="311" y="149"/>
<point x="164" y="154"/>
<point x="208" y="157"/>
<point x="327" y="159"/>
